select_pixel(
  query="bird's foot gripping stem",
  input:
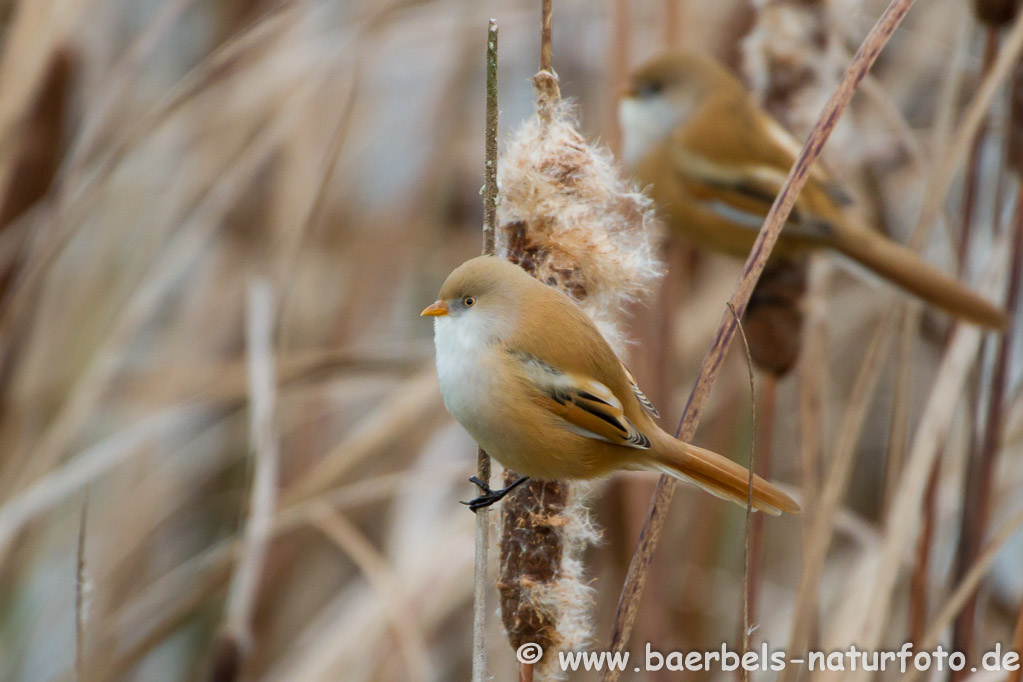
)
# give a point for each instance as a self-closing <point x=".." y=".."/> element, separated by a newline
<point x="489" y="496"/>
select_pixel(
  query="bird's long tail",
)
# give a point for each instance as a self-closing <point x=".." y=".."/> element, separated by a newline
<point x="905" y="268"/>
<point x="717" y="475"/>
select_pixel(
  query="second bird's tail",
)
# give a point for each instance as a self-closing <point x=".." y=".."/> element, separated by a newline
<point x="903" y="267"/>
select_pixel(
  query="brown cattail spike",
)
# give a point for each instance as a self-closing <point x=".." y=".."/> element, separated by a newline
<point x="774" y="316"/>
<point x="565" y="217"/>
<point x="1014" y="142"/>
<point x="996" y="12"/>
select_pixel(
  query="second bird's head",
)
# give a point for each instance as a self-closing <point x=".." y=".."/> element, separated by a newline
<point x="665" y="93"/>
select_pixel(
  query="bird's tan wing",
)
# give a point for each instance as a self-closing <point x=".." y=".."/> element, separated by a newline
<point x="740" y="175"/>
<point x="643" y="400"/>
<point x="743" y="193"/>
<point x="588" y="407"/>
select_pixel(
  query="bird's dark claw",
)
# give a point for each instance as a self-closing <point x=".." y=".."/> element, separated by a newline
<point x="489" y="496"/>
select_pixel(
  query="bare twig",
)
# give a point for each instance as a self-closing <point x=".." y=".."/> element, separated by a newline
<point x="81" y="588"/>
<point x="977" y="502"/>
<point x="780" y="210"/>
<point x="978" y="475"/>
<point x="546" y="25"/>
<point x="920" y="580"/>
<point x="479" y="618"/>
<point x="490" y="165"/>
<point x="965" y="587"/>
<point x="764" y="435"/>
<point x="264" y="443"/>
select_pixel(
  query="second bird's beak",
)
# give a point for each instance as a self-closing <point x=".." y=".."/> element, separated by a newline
<point x="436" y="309"/>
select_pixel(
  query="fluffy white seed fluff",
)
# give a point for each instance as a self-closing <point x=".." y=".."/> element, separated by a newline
<point x="588" y="232"/>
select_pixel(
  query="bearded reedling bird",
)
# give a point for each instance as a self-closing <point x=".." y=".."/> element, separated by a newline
<point x="528" y="375"/>
<point x="715" y="160"/>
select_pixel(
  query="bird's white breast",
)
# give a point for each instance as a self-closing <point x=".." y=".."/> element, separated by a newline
<point x="466" y="370"/>
<point x="645" y="123"/>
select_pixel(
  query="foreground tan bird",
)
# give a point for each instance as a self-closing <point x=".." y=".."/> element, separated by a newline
<point x="715" y="160"/>
<point x="529" y="376"/>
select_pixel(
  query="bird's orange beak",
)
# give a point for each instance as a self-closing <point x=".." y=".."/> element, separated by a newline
<point x="436" y="309"/>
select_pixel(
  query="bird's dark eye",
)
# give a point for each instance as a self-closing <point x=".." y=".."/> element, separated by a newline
<point x="650" y="89"/>
<point x="469" y="301"/>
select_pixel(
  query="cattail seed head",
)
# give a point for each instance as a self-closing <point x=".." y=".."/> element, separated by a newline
<point x="566" y="217"/>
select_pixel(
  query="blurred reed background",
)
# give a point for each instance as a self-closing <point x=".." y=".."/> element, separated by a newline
<point x="223" y="452"/>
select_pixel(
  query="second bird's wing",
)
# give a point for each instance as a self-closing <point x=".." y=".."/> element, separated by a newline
<point x="738" y="176"/>
<point x="743" y="193"/>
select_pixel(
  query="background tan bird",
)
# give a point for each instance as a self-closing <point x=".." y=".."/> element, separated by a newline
<point x="714" y="161"/>
<point x="529" y="376"/>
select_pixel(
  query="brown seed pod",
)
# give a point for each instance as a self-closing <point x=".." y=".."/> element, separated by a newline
<point x="774" y="316"/>
<point x="995" y="12"/>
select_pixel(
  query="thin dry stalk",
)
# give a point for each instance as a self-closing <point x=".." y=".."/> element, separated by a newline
<point x="813" y="370"/>
<point x="410" y="403"/>
<point x="123" y="74"/>
<point x="901" y="522"/>
<point x="34" y="167"/>
<point x="962" y="142"/>
<point x="825" y="508"/>
<point x="898" y="429"/>
<point x="81" y="593"/>
<point x="546" y="28"/>
<point x="764" y="435"/>
<point x="620" y="30"/>
<point x="920" y="579"/>
<point x="628" y="603"/>
<point x="189" y="240"/>
<point x="746" y="577"/>
<point x="977" y="502"/>
<point x="87" y="466"/>
<point x="479" y="615"/>
<point x="241" y="599"/>
<point x="386" y="585"/>
<point x="969" y="544"/>
<point x="1017" y="645"/>
<point x="965" y="588"/>
<point x="490" y="165"/>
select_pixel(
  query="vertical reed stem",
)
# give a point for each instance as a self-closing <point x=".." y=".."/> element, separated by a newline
<point x="479" y="616"/>
<point x="547" y="19"/>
